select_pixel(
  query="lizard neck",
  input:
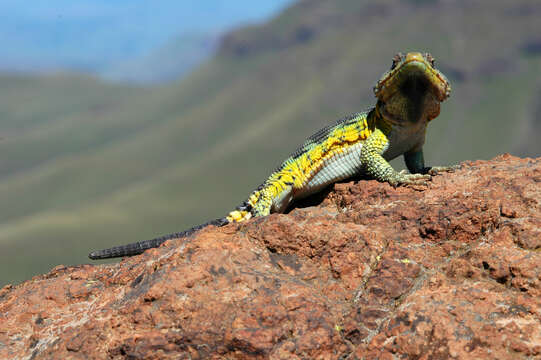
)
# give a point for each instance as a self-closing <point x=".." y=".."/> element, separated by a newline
<point x="377" y="120"/>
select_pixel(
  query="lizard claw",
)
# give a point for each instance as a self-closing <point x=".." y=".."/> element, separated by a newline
<point x="404" y="178"/>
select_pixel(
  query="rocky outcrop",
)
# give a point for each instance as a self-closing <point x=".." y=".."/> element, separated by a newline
<point x="448" y="271"/>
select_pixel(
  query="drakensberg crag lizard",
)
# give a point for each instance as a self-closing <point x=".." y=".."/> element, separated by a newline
<point x="409" y="96"/>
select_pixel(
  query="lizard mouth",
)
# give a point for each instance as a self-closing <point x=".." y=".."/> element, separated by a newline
<point x="415" y="74"/>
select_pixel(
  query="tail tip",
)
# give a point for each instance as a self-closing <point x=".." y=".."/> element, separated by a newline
<point x="94" y="255"/>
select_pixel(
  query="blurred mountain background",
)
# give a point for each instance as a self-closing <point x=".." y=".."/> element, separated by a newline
<point x="124" y="142"/>
<point x="139" y="41"/>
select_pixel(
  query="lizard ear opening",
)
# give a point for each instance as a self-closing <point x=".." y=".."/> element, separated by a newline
<point x="430" y="59"/>
<point x="396" y="59"/>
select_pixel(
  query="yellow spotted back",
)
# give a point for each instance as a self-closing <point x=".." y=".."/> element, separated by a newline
<point x="327" y="156"/>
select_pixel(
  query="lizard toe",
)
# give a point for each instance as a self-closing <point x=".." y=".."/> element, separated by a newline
<point x="409" y="179"/>
<point x="435" y="170"/>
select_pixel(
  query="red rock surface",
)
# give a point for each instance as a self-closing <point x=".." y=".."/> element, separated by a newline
<point x="452" y="271"/>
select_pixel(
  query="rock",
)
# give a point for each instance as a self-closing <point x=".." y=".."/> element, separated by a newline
<point x="448" y="271"/>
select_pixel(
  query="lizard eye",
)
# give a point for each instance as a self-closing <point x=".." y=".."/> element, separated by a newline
<point x="396" y="59"/>
<point x="430" y="59"/>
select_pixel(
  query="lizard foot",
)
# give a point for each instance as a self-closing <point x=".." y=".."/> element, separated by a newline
<point x="435" y="170"/>
<point x="403" y="178"/>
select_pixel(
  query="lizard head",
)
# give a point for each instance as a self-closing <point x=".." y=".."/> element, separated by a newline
<point x="412" y="89"/>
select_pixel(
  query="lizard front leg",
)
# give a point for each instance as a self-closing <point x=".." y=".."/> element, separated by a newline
<point x="376" y="166"/>
<point x="416" y="164"/>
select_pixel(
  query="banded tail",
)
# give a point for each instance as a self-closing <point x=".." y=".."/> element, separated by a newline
<point x="258" y="204"/>
<point x="139" y="247"/>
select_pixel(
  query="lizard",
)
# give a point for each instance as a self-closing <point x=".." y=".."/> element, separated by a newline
<point x="408" y="98"/>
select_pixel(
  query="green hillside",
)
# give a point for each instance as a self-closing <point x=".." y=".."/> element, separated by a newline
<point x="171" y="61"/>
<point x="86" y="165"/>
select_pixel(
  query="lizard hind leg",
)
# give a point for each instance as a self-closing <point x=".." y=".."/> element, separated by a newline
<point x="238" y="215"/>
<point x="244" y="211"/>
<point x="268" y="198"/>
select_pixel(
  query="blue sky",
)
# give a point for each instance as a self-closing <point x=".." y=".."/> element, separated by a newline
<point x="90" y="34"/>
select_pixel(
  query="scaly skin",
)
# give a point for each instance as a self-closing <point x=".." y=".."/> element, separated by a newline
<point x="409" y="97"/>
